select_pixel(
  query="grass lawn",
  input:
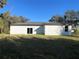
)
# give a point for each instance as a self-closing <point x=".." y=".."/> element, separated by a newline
<point x="38" y="47"/>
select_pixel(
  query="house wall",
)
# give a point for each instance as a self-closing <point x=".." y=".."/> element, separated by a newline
<point x="23" y="29"/>
<point x="57" y="30"/>
<point x="69" y="30"/>
<point x="47" y="30"/>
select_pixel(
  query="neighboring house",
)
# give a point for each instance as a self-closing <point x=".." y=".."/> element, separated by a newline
<point x="49" y="28"/>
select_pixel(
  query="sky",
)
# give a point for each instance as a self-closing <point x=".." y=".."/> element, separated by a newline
<point x="40" y="10"/>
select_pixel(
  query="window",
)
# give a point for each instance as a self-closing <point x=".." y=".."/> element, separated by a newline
<point x="29" y="30"/>
<point x="66" y="28"/>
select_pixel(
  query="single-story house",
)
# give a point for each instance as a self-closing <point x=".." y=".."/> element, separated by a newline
<point x="49" y="28"/>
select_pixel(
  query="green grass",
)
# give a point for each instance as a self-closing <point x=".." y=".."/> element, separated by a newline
<point x="38" y="47"/>
<point x="47" y="37"/>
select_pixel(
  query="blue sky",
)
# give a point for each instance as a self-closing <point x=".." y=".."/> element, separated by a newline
<point x="40" y="10"/>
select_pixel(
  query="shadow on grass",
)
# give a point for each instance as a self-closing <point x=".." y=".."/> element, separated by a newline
<point x="39" y="49"/>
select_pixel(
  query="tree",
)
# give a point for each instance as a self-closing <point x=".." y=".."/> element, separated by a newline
<point x="56" y="19"/>
<point x="1" y="25"/>
<point x="71" y="17"/>
<point x="6" y="20"/>
<point x="5" y="15"/>
<point x="17" y="19"/>
<point x="2" y="3"/>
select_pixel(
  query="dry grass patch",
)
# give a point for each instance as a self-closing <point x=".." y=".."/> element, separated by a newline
<point x="47" y="37"/>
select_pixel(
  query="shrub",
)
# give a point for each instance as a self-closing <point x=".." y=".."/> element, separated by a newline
<point x="76" y="32"/>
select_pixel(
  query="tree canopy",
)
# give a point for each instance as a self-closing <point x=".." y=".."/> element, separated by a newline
<point x="6" y="20"/>
<point x="69" y="17"/>
<point x="56" y="19"/>
<point x="2" y="3"/>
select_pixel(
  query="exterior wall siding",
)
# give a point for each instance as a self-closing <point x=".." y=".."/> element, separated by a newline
<point x="57" y="30"/>
<point x="23" y="29"/>
<point x="46" y="30"/>
<point x="69" y="30"/>
<point x="17" y="29"/>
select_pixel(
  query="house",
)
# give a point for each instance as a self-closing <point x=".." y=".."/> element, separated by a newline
<point x="49" y="28"/>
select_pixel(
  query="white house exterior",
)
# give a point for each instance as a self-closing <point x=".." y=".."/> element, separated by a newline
<point x="41" y="28"/>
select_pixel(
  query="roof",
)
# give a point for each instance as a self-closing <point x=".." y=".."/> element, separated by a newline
<point x="35" y="24"/>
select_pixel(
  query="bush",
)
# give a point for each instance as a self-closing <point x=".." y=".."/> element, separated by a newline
<point x="76" y="32"/>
